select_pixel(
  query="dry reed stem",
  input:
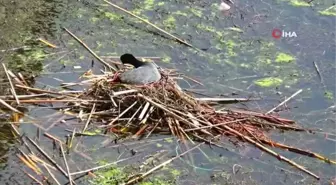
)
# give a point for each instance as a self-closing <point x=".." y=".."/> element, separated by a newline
<point x="32" y="177"/>
<point x="298" y="151"/>
<point x="171" y="113"/>
<point x="271" y="152"/>
<point x="92" y="52"/>
<point x="144" y="110"/>
<point x="66" y="164"/>
<point x="286" y="100"/>
<point x="215" y="125"/>
<point x="9" y="107"/>
<point x="11" y="84"/>
<point x="51" y="174"/>
<point x="47" y="156"/>
<point x="23" y="79"/>
<point x="138" y="178"/>
<point x="47" y="43"/>
<point x="29" y="164"/>
<point x="100" y="167"/>
<point x="126" y="110"/>
<point x="16" y="79"/>
<point x="89" y="118"/>
<point x="149" y="23"/>
<point x="24" y="96"/>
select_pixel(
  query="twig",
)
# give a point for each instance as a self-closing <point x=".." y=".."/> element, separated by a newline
<point x="14" y="49"/>
<point x="32" y="177"/>
<point x="58" y="140"/>
<point x="135" y="113"/>
<point x="59" y="101"/>
<point x="66" y="163"/>
<point x="15" y="129"/>
<point x="329" y="8"/>
<point x="189" y="78"/>
<point x="296" y="93"/>
<point x="51" y="174"/>
<point x="37" y="90"/>
<point x="15" y="77"/>
<point x="171" y="113"/>
<point x="22" y="79"/>
<point x="271" y="152"/>
<point x="47" y="43"/>
<point x="144" y="110"/>
<point x="124" y="92"/>
<point x="318" y="73"/>
<point x="10" y="107"/>
<point x="134" y="180"/>
<point x="30" y="164"/>
<point x="100" y="167"/>
<point x="11" y="84"/>
<point x="49" y="158"/>
<point x="150" y="132"/>
<point x="150" y="111"/>
<point x="89" y="118"/>
<point x="52" y="137"/>
<point x="122" y="113"/>
<point x="149" y="23"/>
<point x="25" y="96"/>
<point x="92" y="52"/>
<point x="299" y="151"/>
<point x="72" y="139"/>
<point x="215" y="125"/>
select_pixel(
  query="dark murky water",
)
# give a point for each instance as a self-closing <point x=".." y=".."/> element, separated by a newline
<point x="239" y="56"/>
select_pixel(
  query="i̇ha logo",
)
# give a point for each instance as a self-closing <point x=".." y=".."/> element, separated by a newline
<point x="277" y="34"/>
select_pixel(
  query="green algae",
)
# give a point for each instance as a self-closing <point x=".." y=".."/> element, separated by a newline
<point x="156" y="182"/>
<point x="329" y="95"/>
<point x="230" y="45"/>
<point x="268" y="82"/>
<point x="28" y="62"/>
<point x="331" y="11"/>
<point x="196" y="12"/>
<point x="327" y="13"/>
<point x="92" y="133"/>
<point x="179" y="12"/>
<point x="166" y="59"/>
<point x="175" y="172"/>
<point x="161" y="3"/>
<point x="206" y="28"/>
<point x="94" y="19"/>
<point x="170" y="22"/>
<point x="115" y="175"/>
<point x="168" y="140"/>
<point x="284" y="58"/>
<point x="109" y="176"/>
<point x="299" y="3"/>
<point x="148" y="4"/>
<point x="112" y="16"/>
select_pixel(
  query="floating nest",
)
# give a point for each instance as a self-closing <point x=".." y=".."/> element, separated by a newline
<point x="163" y="107"/>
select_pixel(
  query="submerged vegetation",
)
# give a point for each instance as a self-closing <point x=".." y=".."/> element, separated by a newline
<point x="28" y="62"/>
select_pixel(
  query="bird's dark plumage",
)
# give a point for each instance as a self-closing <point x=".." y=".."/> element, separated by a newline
<point x="144" y="72"/>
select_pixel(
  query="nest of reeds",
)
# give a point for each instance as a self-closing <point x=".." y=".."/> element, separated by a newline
<point x="163" y="107"/>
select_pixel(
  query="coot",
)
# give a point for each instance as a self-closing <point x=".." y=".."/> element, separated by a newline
<point x="143" y="73"/>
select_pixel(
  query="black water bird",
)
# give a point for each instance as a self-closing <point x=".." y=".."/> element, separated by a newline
<point x="143" y="72"/>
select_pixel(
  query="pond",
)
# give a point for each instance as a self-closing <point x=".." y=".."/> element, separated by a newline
<point x="268" y="50"/>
